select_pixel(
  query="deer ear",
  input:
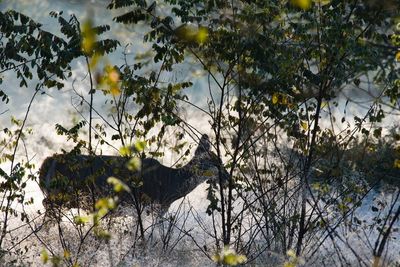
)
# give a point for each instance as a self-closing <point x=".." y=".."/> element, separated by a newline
<point x="204" y="144"/>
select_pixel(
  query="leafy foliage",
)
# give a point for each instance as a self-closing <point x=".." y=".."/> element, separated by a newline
<point x="276" y="72"/>
<point x="24" y="46"/>
<point x="278" y="65"/>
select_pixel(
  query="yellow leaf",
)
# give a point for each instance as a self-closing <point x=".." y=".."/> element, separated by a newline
<point x="134" y="164"/>
<point x="303" y="4"/>
<point x="291" y="253"/>
<point x="230" y="259"/>
<point x="111" y="203"/>
<point x="304" y="125"/>
<point x="202" y="35"/>
<point x="102" y="212"/>
<point x="397" y="56"/>
<point x="115" y="91"/>
<point x="110" y="80"/>
<point x="113" y="75"/>
<point x="67" y="254"/>
<point x="241" y="259"/>
<point x="81" y="220"/>
<point x="118" y="185"/>
<point x="105" y="204"/>
<point x="284" y="100"/>
<point x="216" y="258"/>
<point x="396" y="164"/>
<point x="89" y="37"/>
<point x="275" y="98"/>
<point x="94" y="60"/>
<point x="103" y="234"/>
<point x="140" y="145"/>
<point x="322" y="2"/>
<point x="186" y="32"/>
<point x="190" y="33"/>
<point x="44" y="256"/>
<point x="125" y="151"/>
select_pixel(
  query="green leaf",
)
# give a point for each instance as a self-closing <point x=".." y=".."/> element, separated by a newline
<point x="125" y="151"/>
<point x="140" y="146"/>
<point x="131" y="17"/>
<point x="81" y="220"/>
<point x="134" y="164"/>
<point x="118" y="185"/>
<point x="115" y="137"/>
<point x="378" y="132"/>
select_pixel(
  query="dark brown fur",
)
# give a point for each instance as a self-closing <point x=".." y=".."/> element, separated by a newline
<point x="77" y="181"/>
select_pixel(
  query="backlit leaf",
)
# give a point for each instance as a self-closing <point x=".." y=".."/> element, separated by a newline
<point x="44" y="256"/>
<point x="275" y="98"/>
<point x="202" y="35"/>
<point x="140" y="145"/>
<point x="303" y="4"/>
<point x="322" y="2"/>
<point x="134" y="164"/>
<point x="89" y="37"/>
<point x="67" y="254"/>
<point x="396" y="163"/>
<point x="118" y="184"/>
<point x="81" y="220"/>
<point x="304" y="125"/>
<point x="115" y="91"/>
<point x="125" y="151"/>
<point x="229" y="257"/>
<point x="397" y="56"/>
<point x="105" y="204"/>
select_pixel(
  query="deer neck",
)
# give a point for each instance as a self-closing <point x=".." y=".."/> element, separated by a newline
<point x="197" y="172"/>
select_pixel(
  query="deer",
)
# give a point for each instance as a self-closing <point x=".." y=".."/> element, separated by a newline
<point x="76" y="180"/>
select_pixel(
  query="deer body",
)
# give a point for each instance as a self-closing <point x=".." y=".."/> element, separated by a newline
<point x="76" y="181"/>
